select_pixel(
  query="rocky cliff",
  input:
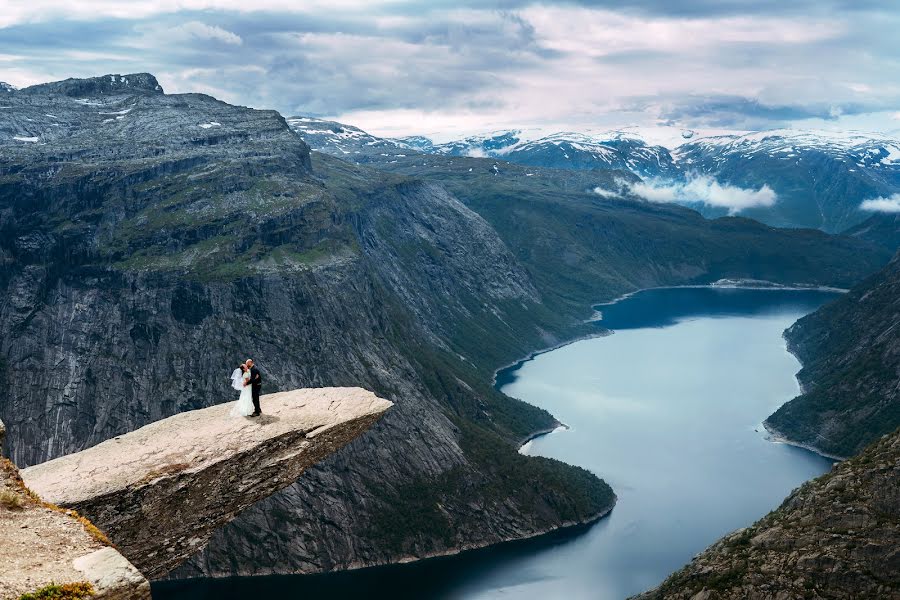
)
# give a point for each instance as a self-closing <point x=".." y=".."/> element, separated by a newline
<point x="161" y="491"/>
<point x="151" y="241"/>
<point x="834" y="537"/>
<point x="148" y="242"/>
<point x="47" y="547"/>
<point x="850" y="350"/>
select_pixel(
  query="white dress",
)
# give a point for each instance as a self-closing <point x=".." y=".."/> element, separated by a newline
<point x="244" y="406"/>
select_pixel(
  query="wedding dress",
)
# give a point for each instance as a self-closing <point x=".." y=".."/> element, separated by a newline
<point x="244" y="405"/>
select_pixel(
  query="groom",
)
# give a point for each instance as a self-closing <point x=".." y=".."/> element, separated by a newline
<point x="256" y="382"/>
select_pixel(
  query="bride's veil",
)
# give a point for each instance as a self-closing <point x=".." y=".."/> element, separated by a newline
<point x="237" y="379"/>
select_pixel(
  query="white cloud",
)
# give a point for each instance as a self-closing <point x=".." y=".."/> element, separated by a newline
<point x="202" y="31"/>
<point x="890" y="204"/>
<point x="603" y="193"/>
<point x="592" y="32"/>
<point x="86" y="10"/>
<point x="705" y="189"/>
<point x="396" y="67"/>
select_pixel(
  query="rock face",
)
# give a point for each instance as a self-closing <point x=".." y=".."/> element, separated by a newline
<point x="834" y="537"/>
<point x="850" y="351"/>
<point x="44" y="545"/>
<point x="148" y="242"/>
<point x="160" y="492"/>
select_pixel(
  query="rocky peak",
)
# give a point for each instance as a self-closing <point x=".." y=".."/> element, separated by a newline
<point x="7" y="87"/>
<point x="104" y="85"/>
<point x="161" y="491"/>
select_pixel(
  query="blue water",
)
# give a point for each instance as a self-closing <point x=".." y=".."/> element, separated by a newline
<point x="668" y="410"/>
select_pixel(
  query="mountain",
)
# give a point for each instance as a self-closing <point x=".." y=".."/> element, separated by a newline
<point x="151" y="241"/>
<point x="880" y="229"/>
<point x="608" y="150"/>
<point x="834" y="537"/>
<point x="344" y="140"/>
<point x="148" y="242"/>
<point x="850" y="350"/>
<point x="611" y="242"/>
<point x="820" y="177"/>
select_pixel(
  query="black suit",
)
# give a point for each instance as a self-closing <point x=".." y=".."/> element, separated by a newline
<point x="256" y="383"/>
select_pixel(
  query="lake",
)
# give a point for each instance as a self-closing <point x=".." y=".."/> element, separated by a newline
<point x="668" y="410"/>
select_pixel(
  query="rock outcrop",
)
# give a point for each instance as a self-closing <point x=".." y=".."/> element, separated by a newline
<point x="160" y="492"/>
<point x="850" y="350"/>
<point x="834" y="537"/>
<point x="44" y="545"/>
<point x="147" y="238"/>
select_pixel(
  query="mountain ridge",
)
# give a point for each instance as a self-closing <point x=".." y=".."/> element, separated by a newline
<point x="820" y="177"/>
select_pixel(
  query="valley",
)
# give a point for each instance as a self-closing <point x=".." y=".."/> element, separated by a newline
<point x="148" y="238"/>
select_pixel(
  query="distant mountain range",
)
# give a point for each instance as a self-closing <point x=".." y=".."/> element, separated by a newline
<point x="811" y="179"/>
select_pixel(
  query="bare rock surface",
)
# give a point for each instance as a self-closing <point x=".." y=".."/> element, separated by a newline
<point x="159" y="492"/>
<point x="41" y="545"/>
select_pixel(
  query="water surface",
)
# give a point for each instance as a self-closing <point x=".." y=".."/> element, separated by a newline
<point x="668" y="410"/>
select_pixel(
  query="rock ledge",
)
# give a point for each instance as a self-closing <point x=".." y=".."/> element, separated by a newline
<point x="159" y="492"/>
<point x="43" y="545"/>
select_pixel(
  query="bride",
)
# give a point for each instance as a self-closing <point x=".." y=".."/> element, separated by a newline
<point x="239" y="378"/>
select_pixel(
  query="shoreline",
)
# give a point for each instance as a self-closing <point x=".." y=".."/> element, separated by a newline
<point x="778" y="437"/>
<point x="563" y="528"/>
<point x="731" y="284"/>
<point x="536" y="353"/>
<point x="597" y="318"/>
<point x="541" y="433"/>
<point x="567" y="526"/>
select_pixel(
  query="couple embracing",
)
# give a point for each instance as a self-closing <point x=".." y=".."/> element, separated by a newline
<point x="248" y="380"/>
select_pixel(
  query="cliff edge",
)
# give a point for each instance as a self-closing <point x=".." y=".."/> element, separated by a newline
<point x="47" y="546"/>
<point x="161" y="491"/>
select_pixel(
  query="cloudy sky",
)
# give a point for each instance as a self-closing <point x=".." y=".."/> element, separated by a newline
<point x="433" y="66"/>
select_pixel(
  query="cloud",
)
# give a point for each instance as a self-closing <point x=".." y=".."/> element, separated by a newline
<point x="398" y="67"/>
<point x="738" y="112"/>
<point x="604" y="193"/>
<point x="202" y="31"/>
<point x="705" y="189"/>
<point x="890" y="204"/>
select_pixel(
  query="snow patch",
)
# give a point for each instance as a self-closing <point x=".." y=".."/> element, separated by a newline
<point x="893" y="155"/>
<point x="124" y="111"/>
<point x="210" y="124"/>
<point x="22" y="138"/>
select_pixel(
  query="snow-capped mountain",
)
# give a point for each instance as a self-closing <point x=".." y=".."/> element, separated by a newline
<point x="858" y="151"/>
<point x="344" y="140"/>
<point x="566" y="150"/>
<point x="814" y="179"/>
<point x="821" y="178"/>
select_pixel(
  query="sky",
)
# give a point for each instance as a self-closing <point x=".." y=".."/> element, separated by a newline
<point x="402" y="67"/>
